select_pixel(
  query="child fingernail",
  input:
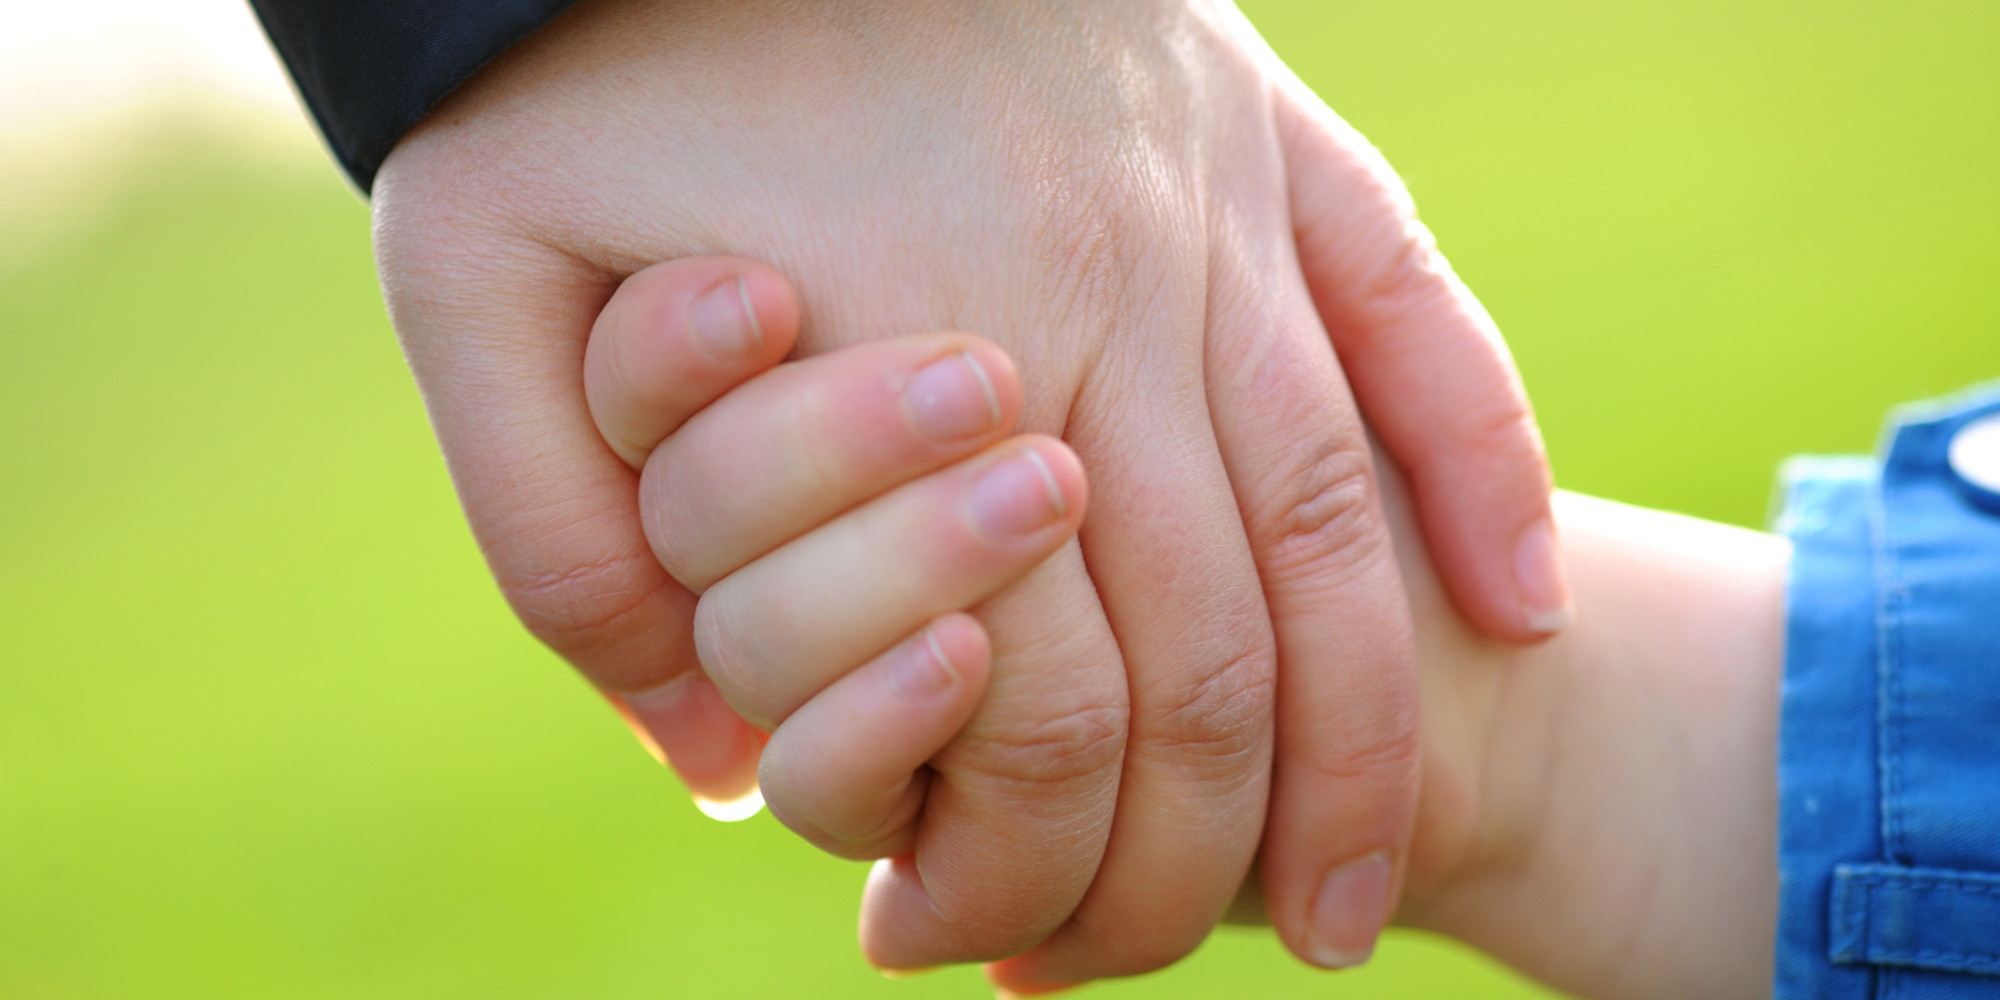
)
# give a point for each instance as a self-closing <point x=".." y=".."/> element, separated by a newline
<point x="952" y="398"/>
<point x="725" y="323"/>
<point x="1538" y="577"/>
<point x="919" y="669"/>
<point x="1016" y="496"/>
<point x="1347" y="914"/>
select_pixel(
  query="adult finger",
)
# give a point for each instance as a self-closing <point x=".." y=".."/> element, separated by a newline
<point x="775" y="632"/>
<point x="846" y="771"/>
<point x="495" y="329"/>
<point x="677" y="335"/>
<point x="1431" y="372"/>
<point x="1345" y="782"/>
<point x="1167" y="550"/>
<point x="799" y="444"/>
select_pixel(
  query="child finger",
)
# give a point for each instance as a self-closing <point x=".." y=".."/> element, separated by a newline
<point x="676" y="336"/>
<point x="798" y="445"/>
<point x="846" y="771"/>
<point x="776" y="632"/>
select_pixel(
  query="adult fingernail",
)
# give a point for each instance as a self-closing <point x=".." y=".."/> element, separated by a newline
<point x="725" y="323"/>
<point x="1016" y="496"/>
<point x="1538" y="576"/>
<point x="919" y="670"/>
<point x="1347" y="914"/>
<point x="952" y="398"/>
<point x="734" y="810"/>
<point x="687" y="724"/>
<point x="1022" y="993"/>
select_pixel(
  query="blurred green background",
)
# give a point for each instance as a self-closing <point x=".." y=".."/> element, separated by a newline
<point x="267" y="730"/>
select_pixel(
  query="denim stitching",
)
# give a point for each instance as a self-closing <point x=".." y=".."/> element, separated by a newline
<point x="1877" y="954"/>
<point x="1926" y="885"/>
<point x="1954" y="957"/>
<point x="1887" y="692"/>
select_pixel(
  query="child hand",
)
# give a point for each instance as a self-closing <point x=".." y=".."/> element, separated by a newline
<point x="836" y="515"/>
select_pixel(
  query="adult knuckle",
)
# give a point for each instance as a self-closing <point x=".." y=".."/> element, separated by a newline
<point x="1401" y="271"/>
<point x="1053" y="749"/>
<point x="1320" y="516"/>
<point x="1505" y="426"/>
<point x="575" y="608"/>
<point x="1221" y="721"/>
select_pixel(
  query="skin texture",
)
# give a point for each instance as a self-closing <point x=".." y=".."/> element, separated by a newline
<point x="1618" y="782"/>
<point x="1170" y="237"/>
<point x="846" y="495"/>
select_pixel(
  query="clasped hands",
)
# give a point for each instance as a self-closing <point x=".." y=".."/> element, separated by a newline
<point x="1179" y="261"/>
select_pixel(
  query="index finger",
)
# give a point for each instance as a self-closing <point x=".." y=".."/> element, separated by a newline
<point x="1431" y="371"/>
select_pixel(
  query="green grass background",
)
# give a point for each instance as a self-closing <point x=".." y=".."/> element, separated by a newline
<point x="267" y="731"/>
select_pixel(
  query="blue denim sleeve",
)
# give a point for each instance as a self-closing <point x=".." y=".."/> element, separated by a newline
<point x="1889" y="741"/>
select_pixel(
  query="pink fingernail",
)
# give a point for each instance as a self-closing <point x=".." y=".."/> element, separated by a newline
<point x="725" y="323"/>
<point x="952" y="398"/>
<point x="919" y="670"/>
<point x="1022" y="993"/>
<point x="1016" y="496"/>
<point x="1348" y="913"/>
<point x="1538" y="577"/>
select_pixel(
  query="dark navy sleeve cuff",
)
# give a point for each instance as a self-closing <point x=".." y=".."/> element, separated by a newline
<point x="1889" y="741"/>
<point x="370" y="70"/>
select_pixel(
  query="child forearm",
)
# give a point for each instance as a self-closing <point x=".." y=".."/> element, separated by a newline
<point x="1601" y="808"/>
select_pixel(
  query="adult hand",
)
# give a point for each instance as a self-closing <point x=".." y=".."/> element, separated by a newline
<point x="1163" y="228"/>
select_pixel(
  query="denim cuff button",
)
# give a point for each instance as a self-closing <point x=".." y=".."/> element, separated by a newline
<point x="1975" y="457"/>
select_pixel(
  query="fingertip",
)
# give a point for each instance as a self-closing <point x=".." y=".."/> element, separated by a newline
<point x="737" y="313"/>
<point x="1002" y="379"/>
<point x="893" y="885"/>
<point x="1008" y="984"/>
<point x="686" y="724"/>
<point x="675" y="336"/>
<point x="1020" y="976"/>
<point x="1543" y="586"/>
<point x="1332" y="871"/>
<point x="1348" y="912"/>
<point x="899" y="919"/>
<point x="1505" y="576"/>
<point x="1065" y="473"/>
<point x="771" y="305"/>
<point x="848" y="770"/>
<point x="962" y="643"/>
